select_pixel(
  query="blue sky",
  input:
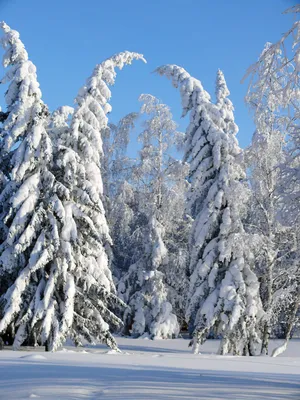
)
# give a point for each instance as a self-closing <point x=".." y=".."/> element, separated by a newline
<point x="66" y="38"/>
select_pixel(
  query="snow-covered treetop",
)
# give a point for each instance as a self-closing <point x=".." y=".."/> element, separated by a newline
<point x="273" y="94"/>
<point x="265" y="96"/>
<point x="160" y="124"/>
<point x="222" y="91"/>
<point x="225" y="105"/>
<point x="23" y="90"/>
<point x="120" y="135"/>
<point x="103" y="75"/>
<point x="16" y="52"/>
<point x="23" y="131"/>
<point x="159" y="138"/>
<point x="90" y="116"/>
<point x="191" y="89"/>
<point x="277" y="70"/>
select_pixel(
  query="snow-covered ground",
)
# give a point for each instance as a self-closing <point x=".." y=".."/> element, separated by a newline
<point x="159" y="370"/>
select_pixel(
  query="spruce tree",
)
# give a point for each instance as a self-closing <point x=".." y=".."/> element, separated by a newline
<point x="223" y="295"/>
<point x="85" y="235"/>
<point x="29" y="241"/>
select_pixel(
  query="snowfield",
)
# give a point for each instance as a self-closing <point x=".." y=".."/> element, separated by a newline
<point x="162" y="369"/>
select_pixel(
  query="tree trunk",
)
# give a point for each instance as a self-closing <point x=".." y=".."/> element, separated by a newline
<point x="267" y="305"/>
<point x="47" y="346"/>
<point x="265" y="338"/>
<point x="291" y="321"/>
<point x="224" y="346"/>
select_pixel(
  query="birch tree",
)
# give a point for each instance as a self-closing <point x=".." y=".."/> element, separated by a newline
<point x="156" y="177"/>
<point x="274" y="86"/>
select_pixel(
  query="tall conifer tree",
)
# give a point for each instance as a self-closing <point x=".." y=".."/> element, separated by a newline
<point x="223" y="295"/>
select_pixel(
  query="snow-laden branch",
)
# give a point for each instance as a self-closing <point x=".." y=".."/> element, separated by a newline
<point x="104" y="75"/>
<point x="89" y="119"/>
<point x="191" y="89"/>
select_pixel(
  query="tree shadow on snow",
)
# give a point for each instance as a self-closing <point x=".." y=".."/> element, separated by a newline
<point x="49" y="381"/>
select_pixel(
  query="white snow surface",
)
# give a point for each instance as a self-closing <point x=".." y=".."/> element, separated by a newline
<point x="147" y="369"/>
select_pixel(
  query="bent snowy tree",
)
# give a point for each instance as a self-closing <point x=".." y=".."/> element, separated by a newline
<point x="223" y="295"/>
<point x="53" y="256"/>
<point x="85" y="232"/>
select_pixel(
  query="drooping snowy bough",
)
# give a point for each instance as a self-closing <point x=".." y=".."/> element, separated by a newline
<point x="224" y="291"/>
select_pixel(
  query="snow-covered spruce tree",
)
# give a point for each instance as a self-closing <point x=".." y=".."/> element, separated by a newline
<point x="157" y="176"/>
<point x="223" y="295"/>
<point x="193" y="99"/>
<point x="29" y="242"/>
<point x="84" y="233"/>
<point x="37" y="293"/>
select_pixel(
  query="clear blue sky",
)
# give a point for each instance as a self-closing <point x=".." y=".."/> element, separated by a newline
<point x="66" y="38"/>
